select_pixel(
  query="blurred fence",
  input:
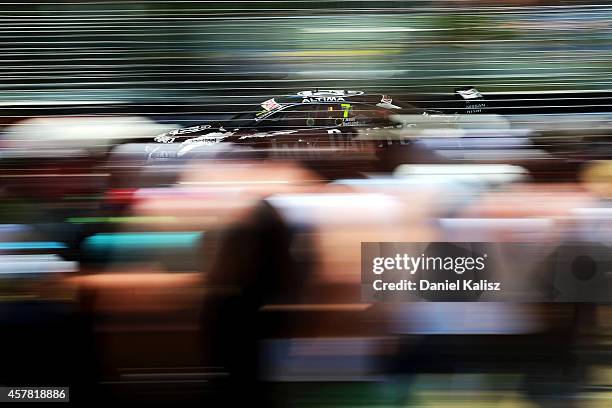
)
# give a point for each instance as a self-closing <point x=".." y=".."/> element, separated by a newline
<point x="194" y="51"/>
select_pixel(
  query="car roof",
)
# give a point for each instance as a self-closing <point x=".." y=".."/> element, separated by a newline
<point x="329" y="96"/>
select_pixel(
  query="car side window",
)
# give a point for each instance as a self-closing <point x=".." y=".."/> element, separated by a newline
<point x="298" y="116"/>
<point x="317" y="115"/>
<point x="305" y="116"/>
<point x="334" y="114"/>
<point x="362" y="114"/>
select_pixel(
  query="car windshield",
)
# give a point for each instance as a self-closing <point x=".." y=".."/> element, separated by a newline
<point x="244" y="118"/>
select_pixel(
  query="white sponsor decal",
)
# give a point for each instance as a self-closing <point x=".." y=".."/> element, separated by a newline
<point x="471" y="93"/>
<point x="329" y="92"/>
<point x="204" y="140"/>
<point x="323" y="99"/>
<point x="387" y="105"/>
<point x="269" y="134"/>
<point x="270" y="104"/>
<point x="169" y="137"/>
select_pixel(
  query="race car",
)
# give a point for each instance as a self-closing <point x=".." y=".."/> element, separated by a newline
<point x="310" y="117"/>
<point x="336" y="132"/>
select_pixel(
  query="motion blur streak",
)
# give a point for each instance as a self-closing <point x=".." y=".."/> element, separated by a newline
<point x="185" y="187"/>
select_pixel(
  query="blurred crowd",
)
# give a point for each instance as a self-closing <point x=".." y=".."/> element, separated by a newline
<point x="235" y="278"/>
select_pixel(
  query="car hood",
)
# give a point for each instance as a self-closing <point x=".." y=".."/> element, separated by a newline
<point x="201" y="133"/>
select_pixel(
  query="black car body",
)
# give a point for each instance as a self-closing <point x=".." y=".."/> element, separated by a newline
<point x="330" y="129"/>
<point x="308" y="118"/>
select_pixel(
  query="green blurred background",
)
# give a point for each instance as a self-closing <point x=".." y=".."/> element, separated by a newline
<point x="160" y="51"/>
